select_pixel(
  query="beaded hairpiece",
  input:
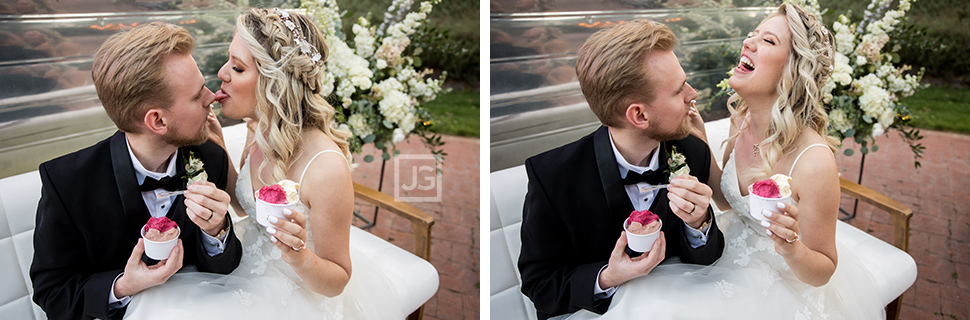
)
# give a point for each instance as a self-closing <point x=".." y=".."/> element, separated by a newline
<point x="305" y="47"/>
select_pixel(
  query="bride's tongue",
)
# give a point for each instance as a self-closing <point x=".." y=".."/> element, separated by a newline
<point x="221" y="96"/>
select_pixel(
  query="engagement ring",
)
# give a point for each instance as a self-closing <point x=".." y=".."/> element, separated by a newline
<point x="301" y="247"/>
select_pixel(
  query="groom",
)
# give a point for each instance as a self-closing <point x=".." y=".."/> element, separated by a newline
<point x="88" y="254"/>
<point x="573" y="251"/>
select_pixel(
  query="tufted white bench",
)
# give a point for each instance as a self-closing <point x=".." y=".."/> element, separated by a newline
<point x="415" y="280"/>
<point x="893" y="269"/>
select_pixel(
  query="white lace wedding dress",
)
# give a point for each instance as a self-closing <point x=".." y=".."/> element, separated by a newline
<point x="264" y="286"/>
<point x="749" y="281"/>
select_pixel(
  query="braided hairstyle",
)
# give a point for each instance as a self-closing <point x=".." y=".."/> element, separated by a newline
<point x="799" y="104"/>
<point x="288" y="99"/>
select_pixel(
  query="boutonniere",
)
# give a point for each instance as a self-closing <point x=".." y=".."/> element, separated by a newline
<point x="195" y="169"/>
<point x="676" y="164"/>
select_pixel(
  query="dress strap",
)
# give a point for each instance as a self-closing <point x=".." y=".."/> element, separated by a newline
<point x="800" y="155"/>
<point x="315" y="157"/>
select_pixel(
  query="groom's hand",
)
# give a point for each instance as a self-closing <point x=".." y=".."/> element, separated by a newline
<point x="138" y="276"/>
<point x="622" y="268"/>
<point x="206" y="205"/>
<point x="689" y="199"/>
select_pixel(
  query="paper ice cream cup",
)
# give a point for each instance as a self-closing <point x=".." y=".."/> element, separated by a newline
<point x="758" y="203"/>
<point x="265" y="209"/>
<point x="641" y="242"/>
<point x="159" y="250"/>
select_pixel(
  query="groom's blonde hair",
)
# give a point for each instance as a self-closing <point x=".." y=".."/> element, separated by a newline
<point x="128" y="71"/>
<point x="611" y="67"/>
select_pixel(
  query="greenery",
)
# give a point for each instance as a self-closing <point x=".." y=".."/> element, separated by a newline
<point x="941" y="108"/>
<point x="934" y="37"/>
<point x="456" y="113"/>
<point x="449" y="43"/>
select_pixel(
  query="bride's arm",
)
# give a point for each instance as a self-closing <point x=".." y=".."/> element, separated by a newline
<point x="329" y="193"/>
<point x="815" y="185"/>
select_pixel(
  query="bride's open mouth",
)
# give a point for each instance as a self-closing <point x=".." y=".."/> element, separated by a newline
<point x="745" y="65"/>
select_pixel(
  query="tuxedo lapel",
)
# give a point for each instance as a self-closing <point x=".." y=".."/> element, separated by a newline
<point x="135" y="211"/>
<point x="659" y="206"/>
<point x="616" y="198"/>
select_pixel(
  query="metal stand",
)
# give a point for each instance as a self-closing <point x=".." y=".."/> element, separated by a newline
<point x="849" y="215"/>
<point x="380" y="184"/>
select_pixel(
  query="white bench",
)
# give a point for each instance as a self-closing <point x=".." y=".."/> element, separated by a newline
<point x="893" y="269"/>
<point x="415" y="280"/>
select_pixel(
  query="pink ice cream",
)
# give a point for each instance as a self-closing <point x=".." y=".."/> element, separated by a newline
<point x="161" y="229"/>
<point x="643" y="222"/>
<point x="272" y="194"/>
<point x="778" y="186"/>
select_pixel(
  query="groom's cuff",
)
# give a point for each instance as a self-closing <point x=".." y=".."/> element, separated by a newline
<point x="599" y="293"/>
<point x="697" y="238"/>
<point x="215" y="246"/>
<point x="113" y="302"/>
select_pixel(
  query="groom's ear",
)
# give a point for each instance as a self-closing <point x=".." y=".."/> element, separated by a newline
<point x="636" y="115"/>
<point x="155" y="121"/>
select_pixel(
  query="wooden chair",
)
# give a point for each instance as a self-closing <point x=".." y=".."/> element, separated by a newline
<point x="900" y="216"/>
<point x="420" y="224"/>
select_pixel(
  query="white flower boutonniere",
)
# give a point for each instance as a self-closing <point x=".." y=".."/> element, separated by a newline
<point x="195" y="169"/>
<point x="676" y="164"/>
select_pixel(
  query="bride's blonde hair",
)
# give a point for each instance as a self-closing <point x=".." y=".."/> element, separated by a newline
<point x="288" y="87"/>
<point x="799" y="105"/>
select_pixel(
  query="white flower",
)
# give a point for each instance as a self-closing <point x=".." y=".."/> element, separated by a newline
<point x="860" y="60"/>
<point x="398" y="135"/>
<point x="838" y="120"/>
<point x="877" y="130"/>
<point x="359" y="125"/>
<point x="395" y="106"/>
<point x="381" y="64"/>
<point x="874" y="101"/>
<point x="388" y="85"/>
<point x="843" y="71"/>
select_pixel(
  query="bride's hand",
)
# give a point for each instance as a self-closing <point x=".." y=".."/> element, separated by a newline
<point x="782" y="228"/>
<point x="290" y="235"/>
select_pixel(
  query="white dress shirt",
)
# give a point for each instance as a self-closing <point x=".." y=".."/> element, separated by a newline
<point x="642" y="201"/>
<point x="158" y="207"/>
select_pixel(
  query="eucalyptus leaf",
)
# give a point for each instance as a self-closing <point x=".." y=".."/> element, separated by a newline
<point x="386" y="156"/>
<point x="369" y="138"/>
<point x="864" y="150"/>
<point x="368" y="158"/>
<point x="875" y="148"/>
<point x="850" y="132"/>
<point x="847" y="152"/>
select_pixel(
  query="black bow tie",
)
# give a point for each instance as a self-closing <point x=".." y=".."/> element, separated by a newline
<point x="167" y="183"/>
<point x="653" y="177"/>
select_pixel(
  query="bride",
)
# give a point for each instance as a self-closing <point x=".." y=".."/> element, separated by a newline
<point x="788" y="266"/>
<point x="301" y="267"/>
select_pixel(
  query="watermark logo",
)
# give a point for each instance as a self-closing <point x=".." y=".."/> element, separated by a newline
<point x="416" y="178"/>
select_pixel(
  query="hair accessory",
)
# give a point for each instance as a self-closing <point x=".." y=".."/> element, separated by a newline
<point x="305" y="47"/>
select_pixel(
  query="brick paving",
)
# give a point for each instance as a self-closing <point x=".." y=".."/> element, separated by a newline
<point x="939" y="194"/>
<point x="455" y="236"/>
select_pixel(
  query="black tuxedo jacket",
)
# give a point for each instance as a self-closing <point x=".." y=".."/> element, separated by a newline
<point x="573" y="216"/>
<point x="88" y="221"/>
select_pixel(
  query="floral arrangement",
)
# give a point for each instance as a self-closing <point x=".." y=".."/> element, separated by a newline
<point x="375" y="87"/>
<point x="862" y="96"/>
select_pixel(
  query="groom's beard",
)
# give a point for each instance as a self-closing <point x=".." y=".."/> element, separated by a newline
<point x="679" y="133"/>
<point x="200" y="137"/>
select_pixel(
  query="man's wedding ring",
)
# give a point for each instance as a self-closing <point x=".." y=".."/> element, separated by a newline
<point x="210" y="215"/>
<point x="692" y="209"/>
<point x="301" y="247"/>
